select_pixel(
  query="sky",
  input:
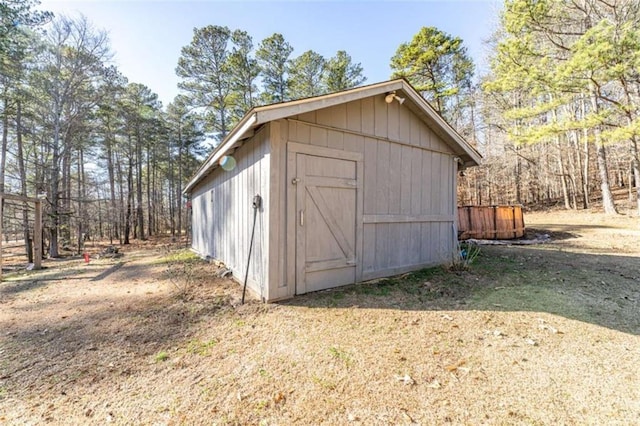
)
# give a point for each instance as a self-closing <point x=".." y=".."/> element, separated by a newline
<point x="146" y="36"/>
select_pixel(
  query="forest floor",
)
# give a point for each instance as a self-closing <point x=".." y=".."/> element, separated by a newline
<point x="539" y="334"/>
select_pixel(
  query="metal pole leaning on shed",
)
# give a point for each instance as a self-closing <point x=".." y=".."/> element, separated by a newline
<point x="257" y="202"/>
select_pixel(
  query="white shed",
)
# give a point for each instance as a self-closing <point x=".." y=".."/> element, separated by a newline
<point x="355" y="185"/>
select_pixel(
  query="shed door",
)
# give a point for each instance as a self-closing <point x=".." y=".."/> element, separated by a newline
<point x="326" y="206"/>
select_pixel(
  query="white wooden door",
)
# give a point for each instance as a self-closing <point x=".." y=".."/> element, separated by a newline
<point x="326" y="222"/>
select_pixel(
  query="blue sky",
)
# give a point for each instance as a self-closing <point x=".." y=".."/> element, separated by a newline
<point x="147" y="36"/>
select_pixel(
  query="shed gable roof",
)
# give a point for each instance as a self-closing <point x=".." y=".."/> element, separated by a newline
<point x="264" y="114"/>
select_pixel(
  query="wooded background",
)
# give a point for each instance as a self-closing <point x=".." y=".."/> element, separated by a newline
<point x="555" y="116"/>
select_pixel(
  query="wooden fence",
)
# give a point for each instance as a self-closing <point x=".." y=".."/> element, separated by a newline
<point x="490" y="222"/>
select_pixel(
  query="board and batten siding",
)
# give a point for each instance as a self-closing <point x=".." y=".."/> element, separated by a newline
<point x="223" y="213"/>
<point x="409" y="181"/>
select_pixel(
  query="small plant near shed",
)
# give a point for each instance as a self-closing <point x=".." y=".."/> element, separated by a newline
<point x="161" y="356"/>
<point x="340" y="354"/>
<point x="181" y="270"/>
<point x="465" y="254"/>
<point x="202" y="348"/>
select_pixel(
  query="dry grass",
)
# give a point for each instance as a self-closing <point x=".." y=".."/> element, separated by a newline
<point x="533" y="335"/>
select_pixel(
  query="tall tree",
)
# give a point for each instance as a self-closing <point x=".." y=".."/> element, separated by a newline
<point x="15" y="16"/>
<point x="142" y="107"/>
<point x="243" y="69"/>
<point x="306" y="75"/>
<point x="185" y="148"/>
<point x="273" y="58"/>
<point x="70" y="66"/>
<point x="438" y="66"/>
<point x="203" y="67"/>
<point x="572" y="60"/>
<point x="341" y="73"/>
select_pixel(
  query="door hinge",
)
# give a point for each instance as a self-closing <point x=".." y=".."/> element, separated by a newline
<point x="301" y="217"/>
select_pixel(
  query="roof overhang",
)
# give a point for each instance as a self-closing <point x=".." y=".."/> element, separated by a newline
<point x="264" y="114"/>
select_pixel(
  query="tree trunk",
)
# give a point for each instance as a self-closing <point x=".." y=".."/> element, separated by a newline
<point x="563" y="175"/>
<point x="601" y="156"/>
<point x="172" y="218"/>
<point x="139" y="211"/>
<point x="23" y="183"/>
<point x="121" y="214"/>
<point x="635" y="165"/>
<point x="149" y="200"/>
<point x="81" y="216"/>
<point x="127" y="220"/>
<point x="179" y="185"/>
<point x="54" y="196"/>
<point x="113" y="214"/>
<point x="5" y="138"/>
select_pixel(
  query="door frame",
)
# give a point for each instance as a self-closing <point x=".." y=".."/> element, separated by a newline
<point x="293" y="266"/>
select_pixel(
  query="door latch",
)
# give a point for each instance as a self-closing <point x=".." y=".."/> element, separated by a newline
<point x="295" y="181"/>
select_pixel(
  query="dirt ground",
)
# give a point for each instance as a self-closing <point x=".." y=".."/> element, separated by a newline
<point x="540" y="334"/>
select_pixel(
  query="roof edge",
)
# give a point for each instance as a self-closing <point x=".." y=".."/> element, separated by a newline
<point x="247" y="122"/>
<point x="263" y="114"/>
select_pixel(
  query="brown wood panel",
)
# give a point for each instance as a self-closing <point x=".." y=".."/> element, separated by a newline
<point x="504" y="223"/>
<point x="395" y="173"/>
<point x="427" y="183"/>
<point x="436" y="182"/>
<point x="335" y="139"/>
<point x="369" y="242"/>
<point x="447" y="204"/>
<point x="416" y="181"/>
<point x="326" y="216"/>
<point x="353" y="143"/>
<point x="367" y="113"/>
<point x="325" y="116"/>
<point x="223" y="213"/>
<point x="275" y="230"/>
<point x="303" y="133"/>
<point x="490" y="222"/>
<point x="415" y="243"/>
<point x="292" y="131"/>
<point x="382" y="246"/>
<point x="397" y="244"/>
<point x="406" y="184"/>
<point x="405" y="125"/>
<point x="319" y="136"/>
<point x="393" y="117"/>
<point x="425" y="136"/>
<point x="380" y="117"/>
<point x="370" y="175"/>
<point x="382" y="178"/>
<point x="335" y="116"/>
<point x="400" y="218"/>
<point x="415" y="125"/>
<point x="354" y="116"/>
<point x="308" y="117"/>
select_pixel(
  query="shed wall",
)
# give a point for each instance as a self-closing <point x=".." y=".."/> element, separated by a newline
<point x="409" y="181"/>
<point x="223" y="213"/>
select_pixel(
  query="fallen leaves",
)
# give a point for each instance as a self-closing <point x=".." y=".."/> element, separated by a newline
<point x="406" y="379"/>
<point x="456" y="366"/>
<point x="279" y="397"/>
<point x="435" y="384"/>
<point x="545" y="326"/>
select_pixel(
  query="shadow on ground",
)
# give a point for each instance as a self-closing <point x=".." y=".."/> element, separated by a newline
<point x="87" y="338"/>
<point x="598" y="289"/>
